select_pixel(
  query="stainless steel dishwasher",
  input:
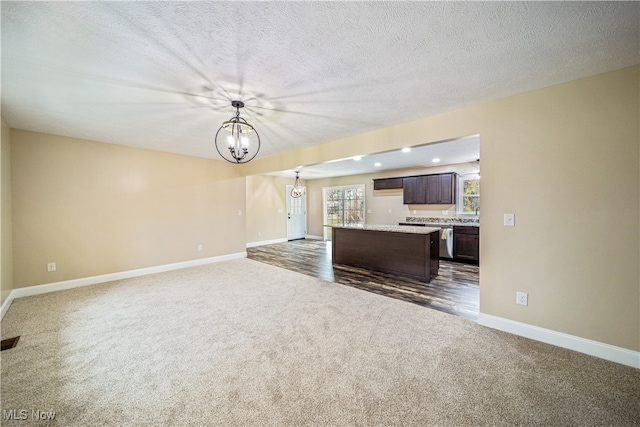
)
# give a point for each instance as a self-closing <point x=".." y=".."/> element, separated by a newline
<point x="446" y="242"/>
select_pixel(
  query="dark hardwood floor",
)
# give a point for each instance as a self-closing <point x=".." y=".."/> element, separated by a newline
<point x="455" y="290"/>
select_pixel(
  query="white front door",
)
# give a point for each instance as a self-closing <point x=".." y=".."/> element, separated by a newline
<point x="296" y="215"/>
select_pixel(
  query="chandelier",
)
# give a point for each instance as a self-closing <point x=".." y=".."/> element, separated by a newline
<point x="242" y="143"/>
<point x="298" y="189"/>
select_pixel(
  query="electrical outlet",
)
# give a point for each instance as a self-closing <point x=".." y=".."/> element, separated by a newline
<point x="259" y="233"/>
<point x="239" y="212"/>
<point x="445" y="212"/>
<point x="509" y="220"/>
<point x="199" y="247"/>
<point x="51" y="266"/>
<point x="522" y="298"/>
<point x="389" y="211"/>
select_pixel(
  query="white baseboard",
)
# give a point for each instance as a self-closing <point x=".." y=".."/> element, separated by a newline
<point x="571" y="342"/>
<point x="313" y="237"/>
<point x="284" y="240"/>
<point x="266" y="242"/>
<point x="93" y="280"/>
<point x="5" y="305"/>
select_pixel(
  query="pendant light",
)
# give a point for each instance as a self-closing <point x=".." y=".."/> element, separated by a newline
<point x="242" y="143"/>
<point x="298" y="189"/>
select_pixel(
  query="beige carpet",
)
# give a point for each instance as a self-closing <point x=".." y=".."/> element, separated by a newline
<point x="242" y="343"/>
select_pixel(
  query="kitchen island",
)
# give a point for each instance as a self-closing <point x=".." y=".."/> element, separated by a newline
<point x="406" y="251"/>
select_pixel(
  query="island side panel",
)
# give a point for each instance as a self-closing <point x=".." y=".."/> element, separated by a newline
<point x="404" y="254"/>
<point x="435" y="253"/>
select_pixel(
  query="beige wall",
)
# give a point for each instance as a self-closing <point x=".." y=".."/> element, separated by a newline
<point x="96" y="208"/>
<point x="565" y="161"/>
<point x="381" y="201"/>
<point x="6" y="256"/>
<point x="266" y="208"/>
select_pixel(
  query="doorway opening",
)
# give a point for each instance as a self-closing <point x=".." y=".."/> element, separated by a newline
<point x="296" y="215"/>
<point x="343" y="205"/>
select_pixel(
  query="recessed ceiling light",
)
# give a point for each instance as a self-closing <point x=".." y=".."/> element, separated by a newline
<point x="377" y="164"/>
<point x="357" y="158"/>
<point x="436" y="160"/>
<point x="406" y="149"/>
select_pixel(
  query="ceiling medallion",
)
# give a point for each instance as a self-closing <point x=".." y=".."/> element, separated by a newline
<point x="242" y="143"/>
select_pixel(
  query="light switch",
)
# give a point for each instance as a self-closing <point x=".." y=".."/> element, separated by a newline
<point x="239" y="212"/>
<point x="509" y="220"/>
<point x="368" y="211"/>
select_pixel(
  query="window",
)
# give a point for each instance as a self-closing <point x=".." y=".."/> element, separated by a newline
<point x="343" y="205"/>
<point x="468" y="202"/>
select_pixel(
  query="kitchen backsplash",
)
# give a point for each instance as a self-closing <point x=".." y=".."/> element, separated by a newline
<point x="473" y="222"/>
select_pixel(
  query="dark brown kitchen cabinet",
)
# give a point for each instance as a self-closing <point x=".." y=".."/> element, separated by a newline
<point x="440" y="189"/>
<point x="387" y="183"/>
<point x="414" y="190"/>
<point x="406" y="254"/>
<point x="466" y="244"/>
<point x="436" y="189"/>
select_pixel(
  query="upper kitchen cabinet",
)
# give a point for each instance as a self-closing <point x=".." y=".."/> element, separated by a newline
<point x="387" y="183"/>
<point x="436" y="189"/>
<point x="441" y="189"/>
<point x="414" y="190"/>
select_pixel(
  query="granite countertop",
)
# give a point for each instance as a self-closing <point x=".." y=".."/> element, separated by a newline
<point x="450" y="225"/>
<point x="390" y="228"/>
<point x="444" y="222"/>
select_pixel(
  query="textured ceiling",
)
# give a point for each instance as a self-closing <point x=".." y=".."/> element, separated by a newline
<point x="161" y="75"/>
